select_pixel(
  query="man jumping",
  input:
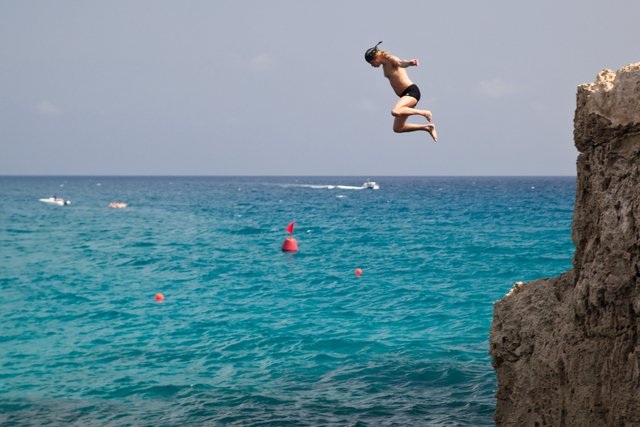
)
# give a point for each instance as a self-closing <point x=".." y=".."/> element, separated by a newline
<point x="394" y="70"/>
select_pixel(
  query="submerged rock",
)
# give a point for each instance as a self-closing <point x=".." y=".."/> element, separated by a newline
<point x="566" y="350"/>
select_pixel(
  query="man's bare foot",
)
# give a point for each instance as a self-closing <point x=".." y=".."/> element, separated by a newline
<point x="428" y="115"/>
<point x="432" y="131"/>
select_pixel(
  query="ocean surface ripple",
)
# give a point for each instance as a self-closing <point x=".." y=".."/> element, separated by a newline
<point x="247" y="334"/>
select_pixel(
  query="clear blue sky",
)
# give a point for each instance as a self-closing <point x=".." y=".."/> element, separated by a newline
<point x="275" y="87"/>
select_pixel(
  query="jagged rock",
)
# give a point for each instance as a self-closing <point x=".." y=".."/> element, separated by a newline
<point x="566" y="350"/>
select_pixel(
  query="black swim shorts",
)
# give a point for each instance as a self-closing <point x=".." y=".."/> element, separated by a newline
<point x="411" y="91"/>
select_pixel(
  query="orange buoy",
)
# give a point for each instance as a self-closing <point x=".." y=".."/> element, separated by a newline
<point x="159" y="297"/>
<point x="290" y="245"/>
<point x="358" y="272"/>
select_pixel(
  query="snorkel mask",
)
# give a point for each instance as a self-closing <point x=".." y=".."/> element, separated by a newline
<point x="370" y="54"/>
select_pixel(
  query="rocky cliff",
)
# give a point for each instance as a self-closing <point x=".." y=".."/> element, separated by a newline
<point x="566" y="350"/>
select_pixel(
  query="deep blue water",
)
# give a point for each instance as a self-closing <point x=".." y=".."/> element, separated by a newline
<point x="247" y="334"/>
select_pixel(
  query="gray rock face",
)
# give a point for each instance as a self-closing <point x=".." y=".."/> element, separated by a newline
<point x="566" y="350"/>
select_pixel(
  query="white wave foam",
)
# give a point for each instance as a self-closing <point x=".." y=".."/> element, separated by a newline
<point x="323" y="186"/>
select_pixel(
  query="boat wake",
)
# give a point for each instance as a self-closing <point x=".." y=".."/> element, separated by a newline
<point x="324" y="187"/>
<point x="369" y="185"/>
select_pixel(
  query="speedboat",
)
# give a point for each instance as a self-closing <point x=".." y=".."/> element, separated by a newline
<point x="56" y="201"/>
<point x="371" y="185"/>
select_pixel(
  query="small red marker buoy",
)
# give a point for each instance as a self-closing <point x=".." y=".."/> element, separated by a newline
<point x="159" y="297"/>
<point x="358" y="272"/>
<point x="290" y="244"/>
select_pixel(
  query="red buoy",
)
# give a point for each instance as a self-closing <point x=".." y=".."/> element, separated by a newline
<point x="290" y="245"/>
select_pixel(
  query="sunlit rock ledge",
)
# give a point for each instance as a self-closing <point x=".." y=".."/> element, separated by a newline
<point x="566" y="350"/>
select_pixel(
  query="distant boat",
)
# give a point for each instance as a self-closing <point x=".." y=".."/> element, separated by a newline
<point x="56" y="201"/>
<point x="371" y="185"/>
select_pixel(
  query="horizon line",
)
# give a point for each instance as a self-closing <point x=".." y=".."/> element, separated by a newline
<point x="275" y="176"/>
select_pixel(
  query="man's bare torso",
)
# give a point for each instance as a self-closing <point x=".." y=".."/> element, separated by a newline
<point x="397" y="75"/>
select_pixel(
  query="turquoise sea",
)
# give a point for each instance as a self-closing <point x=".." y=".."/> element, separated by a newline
<point x="248" y="335"/>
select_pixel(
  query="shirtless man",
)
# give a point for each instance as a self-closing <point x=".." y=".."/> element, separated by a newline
<point x="394" y="70"/>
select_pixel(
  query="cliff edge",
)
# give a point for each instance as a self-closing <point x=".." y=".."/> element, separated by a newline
<point x="566" y="350"/>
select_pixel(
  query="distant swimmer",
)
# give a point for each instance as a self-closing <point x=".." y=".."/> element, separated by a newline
<point x="394" y="70"/>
